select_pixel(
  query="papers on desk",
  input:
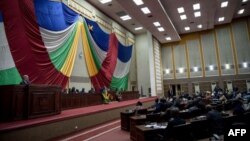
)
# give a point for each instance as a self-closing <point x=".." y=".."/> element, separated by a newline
<point x="156" y="126"/>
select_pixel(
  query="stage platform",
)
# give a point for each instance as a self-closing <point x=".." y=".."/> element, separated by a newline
<point x="69" y="121"/>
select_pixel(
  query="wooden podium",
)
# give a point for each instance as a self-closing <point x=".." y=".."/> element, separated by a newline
<point x="24" y="102"/>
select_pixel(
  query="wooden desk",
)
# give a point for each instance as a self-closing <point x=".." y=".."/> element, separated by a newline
<point x="147" y="133"/>
<point x="23" y="102"/>
<point x="134" y="121"/>
<point x="125" y="119"/>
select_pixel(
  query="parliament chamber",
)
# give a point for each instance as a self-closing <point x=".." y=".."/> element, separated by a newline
<point x="124" y="70"/>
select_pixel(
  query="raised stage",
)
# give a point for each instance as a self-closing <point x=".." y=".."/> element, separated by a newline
<point x="69" y="121"/>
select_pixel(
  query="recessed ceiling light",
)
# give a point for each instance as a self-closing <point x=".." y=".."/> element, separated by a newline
<point x="161" y="29"/>
<point x="244" y="64"/>
<point x="187" y="28"/>
<point x="227" y="66"/>
<point x="126" y="17"/>
<point x="221" y="19"/>
<point x="183" y="17"/>
<point x="157" y="24"/>
<point x="241" y="11"/>
<point x="168" y="38"/>
<point x="138" y="2"/>
<point x="145" y="10"/>
<point x="105" y="1"/>
<point x="138" y="28"/>
<point x="244" y="0"/>
<point x="196" y="6"/>
<point x="180" y="10"/>
<point x="197" y="14"/>
<point x="199" y="26"/>
<point x="224" y="4"/>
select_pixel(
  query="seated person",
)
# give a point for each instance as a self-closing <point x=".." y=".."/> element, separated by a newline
<point x="174" y="120"/>
<point x="238" y="108"/>
<point x="106" y="96"/>
<point x="92" y="90"/>
<point x="118" y="96"/>
<point x="215" y="120"/>
<point x="25" y="80"/>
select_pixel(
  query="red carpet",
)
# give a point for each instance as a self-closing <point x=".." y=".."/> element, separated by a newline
<point x="67" y="114"/>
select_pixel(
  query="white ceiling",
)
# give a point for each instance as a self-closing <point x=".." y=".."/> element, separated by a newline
<point x="165" y="11"/>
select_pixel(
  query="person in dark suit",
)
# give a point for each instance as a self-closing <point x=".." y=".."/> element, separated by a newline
<point x="215" y="120"/>
<point x="25" y="80"/>
<point x="173" y="121"/>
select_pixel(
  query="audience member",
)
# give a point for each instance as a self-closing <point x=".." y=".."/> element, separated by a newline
<point x="92" y="90"/>
<point x="215" y="120"/>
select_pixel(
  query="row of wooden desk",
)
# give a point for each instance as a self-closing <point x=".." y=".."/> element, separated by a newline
<point x="71" y="101"/>
<point x="195" y="128"/>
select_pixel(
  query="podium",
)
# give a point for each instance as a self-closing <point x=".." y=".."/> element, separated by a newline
<point x="25" y="102"/>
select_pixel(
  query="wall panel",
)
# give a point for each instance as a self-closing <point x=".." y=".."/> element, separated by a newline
<point x="194" y="58"/>
<point x="180" y="61"/>
<point x="224" y="43"/>
<point x="167" y="62"/>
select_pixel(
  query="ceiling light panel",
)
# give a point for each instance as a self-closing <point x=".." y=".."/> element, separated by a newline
<point x="199" y="26"/>
<point x="145" y="10"/>
<point x="125" y="18"/>
<point x="244" y="0"/>
<point x="196" y="6"/>
<point x="241" y="11"/>
<point x="197" y="14"/>
<point x="157" y="24"/>
<point x="180" y="10"/>
<point x="221" y="19"/>
<point x="187" y="28"/>
<point x="161" y="29"/>
<point x="105" y="1"/>
<point x="183" y="17"/>
<point x="139" y="28"/>
<point x="138" y="2"/>
<point x="168" y="38"/>
<point x="224" y="4"/>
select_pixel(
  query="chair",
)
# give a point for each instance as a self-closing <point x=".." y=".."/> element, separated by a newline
<point x="200" y="129"/>
<point x="182" y="132"/>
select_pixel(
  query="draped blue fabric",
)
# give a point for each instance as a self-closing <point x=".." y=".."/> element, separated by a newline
<point x="101" y="38"/>
<point x="124" y="52"/>
<point x="54" y="16"/>
<point x="1" y="17"/>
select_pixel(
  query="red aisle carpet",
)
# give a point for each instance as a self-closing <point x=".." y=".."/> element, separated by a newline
<point x="67" y="114"/>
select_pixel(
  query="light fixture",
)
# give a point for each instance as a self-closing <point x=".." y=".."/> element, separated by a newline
<point x="157" y="24"/>
<point x="180" y="10"/>
<point x="221" y="19"/>
<point x="227" y="66"/>
<point x="105" y="1"/>
<point x="167" y="71"/>
<point x="138" y="2"/>
<point x="161" y="29"/>
<point x="195" y="69"/>
<point x="183" y="17"/>
<point x="196" y="6"/>
<point x="211" y="67"/>
<point x="244" y="64"/>
<point x="145" y="10"/>
<point x="224" y="4"/>
<point x="168" y="38"/>
<point x="126" y="17"/>
<point x="197" y="14"/>
<point x="138" y="28"/>
<point x="244" y="0"/>
<point x="181" y="70"/>
<point x="241" y="11"/>
<point x="199" y="26"/>
<point x="187" y="28"/>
